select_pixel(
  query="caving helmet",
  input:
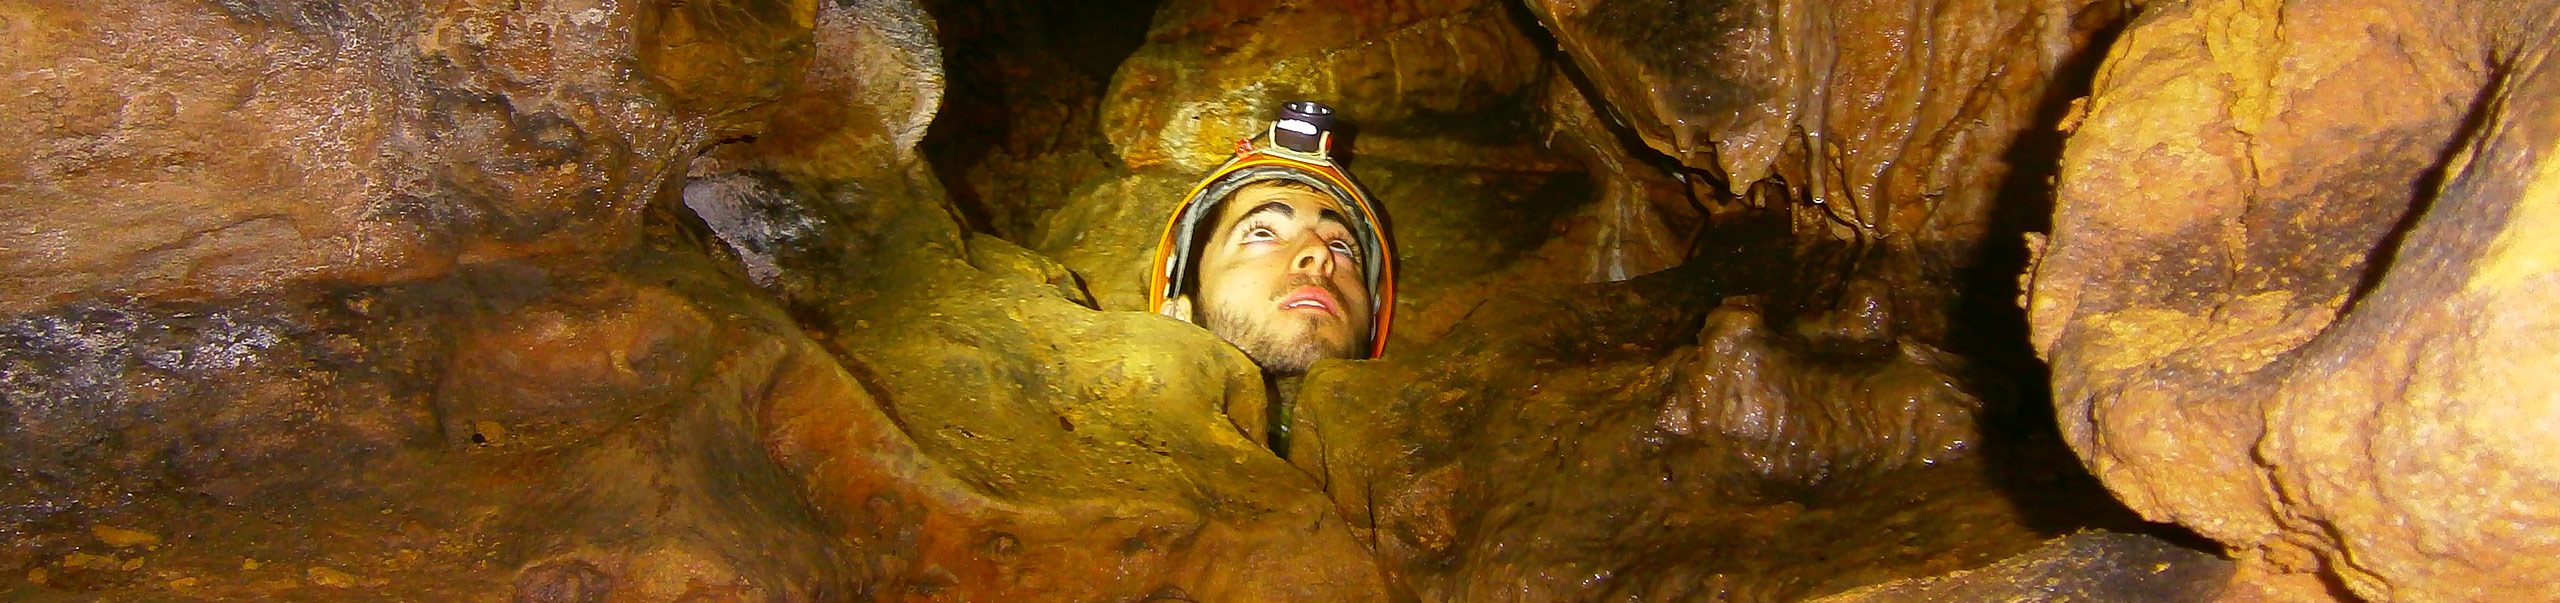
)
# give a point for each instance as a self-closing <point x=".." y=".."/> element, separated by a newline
<point x="1298" y="146"/>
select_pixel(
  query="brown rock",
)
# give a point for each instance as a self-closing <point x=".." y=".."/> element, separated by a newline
<point x="173" y="150"/>
<point x="1107" y="233"/>
<point x="2089" y="566"/>
<point x="374" y="494"/>
<point x="1879" y="119"/>
<point x="2285" y="296"/>
<point x="123" y="538"/>
<point x="570" y="582"/>
<point x="1563" y="447"/>
<point x="1475" y="148"/>
<point x="563" y="301"/>
<point x="1214" y="69"/>
<point x="1644" y="221"/>
<point x="1019" y="131"/>
<point x="1915" y="127"/>
<point x="330" y="577"/>
<point x="569" y="399"/>
<point x="977" y="430"/>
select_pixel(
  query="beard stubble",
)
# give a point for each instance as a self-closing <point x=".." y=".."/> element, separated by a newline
<point x="1263" y="341"/>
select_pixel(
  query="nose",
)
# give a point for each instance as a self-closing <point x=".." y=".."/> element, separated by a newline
<point x="1313" y="258"/>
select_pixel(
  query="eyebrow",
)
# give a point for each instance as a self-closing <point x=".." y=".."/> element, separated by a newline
<point x="1283" y="209"/>
<point x="1335" y="217"/>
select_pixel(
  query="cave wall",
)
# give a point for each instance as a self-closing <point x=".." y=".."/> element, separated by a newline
<point x="572" y="301"/>
<point x="1912" y="126"/>
<point x="1492" y="168"/>
<point x="1020" y="126"/>
<point x="564" y="302"/>
<point x="680" y="314"/>
<point x="1642" y="441"/>
<point x="1717" y="430"/>
<point x="178" y="150"/>
<point x="1877" y="119"/>
<point x="309" y="297"/>
<point x="2286" y="292"/>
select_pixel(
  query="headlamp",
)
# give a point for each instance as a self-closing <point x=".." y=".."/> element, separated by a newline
<point x="1297" y="146"/>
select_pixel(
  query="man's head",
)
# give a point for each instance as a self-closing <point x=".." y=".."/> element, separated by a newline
<point x="1279" y="251"/>
<point x="1281" y="277"/>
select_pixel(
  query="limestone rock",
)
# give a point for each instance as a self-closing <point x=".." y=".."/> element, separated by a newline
<point x="2089" y="566"/>
<point x="1007" y="441"/>
<point x="564" y="300"/>
<point x="1574" y="445"/>
<point x="2290" y="293"/>
<point x="334" y="285"/>
<point x="793" y="378"/>
<point x="1214" y="69"/>
<point x="1107" y="232"/>
<point x="1492" y="169"/>
<point x="1879" y="119"/>
<point x="1413" y="83"/>
<point x="426" y="439"/>
<point x="1020" y="130"/>
<point x="180" y="151"/>
<point x="1644" y="220"/>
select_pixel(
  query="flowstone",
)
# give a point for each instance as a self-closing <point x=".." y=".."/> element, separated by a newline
<point x="559" y="300"/>
<point x="1575" y="442"/>
<point x="2291" y="293"/>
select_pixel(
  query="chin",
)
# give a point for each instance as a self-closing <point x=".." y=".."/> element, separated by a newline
<point x="1327" y="337"/>
<point x="1285" y="343"/>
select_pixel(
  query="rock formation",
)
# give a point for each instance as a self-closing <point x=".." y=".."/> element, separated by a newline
<point x="2286" y="292"/>
<point x="561" y="300"/>
<point x="561" y="389"/>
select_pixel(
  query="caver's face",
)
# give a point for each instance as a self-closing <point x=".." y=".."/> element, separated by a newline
<point x="1281" y="278"/>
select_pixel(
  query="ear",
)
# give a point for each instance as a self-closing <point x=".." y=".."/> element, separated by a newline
<point x="1179" y="308"/>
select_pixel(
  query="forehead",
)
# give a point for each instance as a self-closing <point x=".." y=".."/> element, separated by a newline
<point x="1305" y="202"/>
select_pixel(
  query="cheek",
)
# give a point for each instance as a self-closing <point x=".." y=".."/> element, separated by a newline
<point x="1239" y="282"/>
<point x="1356" y="288"/>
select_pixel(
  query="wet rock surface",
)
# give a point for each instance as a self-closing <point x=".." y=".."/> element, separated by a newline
<point x="1887" y="118"/>
<point x="1021" y="128"/>
<point x="2089" y="566"/>
<point x="2281" y="298"/>
<point x="1211" y="69"/>
<point x="1916" y="126"/>
<point x="1491" y="166"/>
<point x="311" y="299"/>
<point x="644" y="414"/>
<point x="172" y="150"/>
<point x="439" y="437"/>
<point x="1578" y="451"/>
<point x="832" y="300"/>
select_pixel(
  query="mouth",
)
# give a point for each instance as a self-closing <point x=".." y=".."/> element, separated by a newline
<point x="1311" y="299"/>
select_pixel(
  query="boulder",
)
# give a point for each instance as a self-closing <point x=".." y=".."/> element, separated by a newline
<point x="2286" y="293"/>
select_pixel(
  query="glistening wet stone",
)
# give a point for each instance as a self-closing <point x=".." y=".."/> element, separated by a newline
<point x="558" y="301"/>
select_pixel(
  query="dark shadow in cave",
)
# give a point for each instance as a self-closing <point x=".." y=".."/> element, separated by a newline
<point x="1609" y="118"/>
<point x="2429" y="185"/>
<point x="2022" y="442"/>
<point x="2022" y="446"/>
<point x="1054" y="58"/>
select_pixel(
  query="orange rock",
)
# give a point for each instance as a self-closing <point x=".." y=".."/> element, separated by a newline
<point x="123" y="538"/>
<point x="2286" y="293"/>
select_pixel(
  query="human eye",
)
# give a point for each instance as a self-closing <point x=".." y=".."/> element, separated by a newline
<point x="1257" y="234"/>
<point x="1343" y="247"/>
